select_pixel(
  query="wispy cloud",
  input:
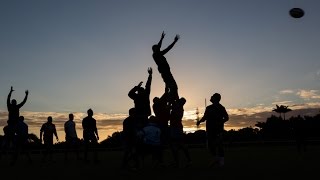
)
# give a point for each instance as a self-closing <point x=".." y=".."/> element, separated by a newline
<point x="249" y="111"/>
<point x="310" y="105"/>
<point x="308" y="94"/>
<point x="282" y="103"/>
<point x="287" y="91"/>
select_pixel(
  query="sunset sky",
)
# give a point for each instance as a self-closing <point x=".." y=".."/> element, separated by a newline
<point x="78" y="54"/>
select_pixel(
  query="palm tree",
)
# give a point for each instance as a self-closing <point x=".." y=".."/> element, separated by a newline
<point x="282" y="110"/>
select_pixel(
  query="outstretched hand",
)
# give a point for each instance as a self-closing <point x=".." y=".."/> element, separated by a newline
<point x="177" y="38"/>
<point x="27" y="92"/>
<point x="162" y="35"/>
<point x="150" y="70"/>
<point x="11" y="90"/>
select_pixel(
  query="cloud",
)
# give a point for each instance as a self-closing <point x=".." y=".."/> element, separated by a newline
<point x="248" y="111"/>
<point x="308" y="94"/>
<point x="282" y="103"/>
<point x="287" y="91"/>
<point x="309" y="105"/>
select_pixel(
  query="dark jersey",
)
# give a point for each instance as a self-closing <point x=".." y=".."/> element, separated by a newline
<point x="161" y="61"/>
<point x="215" y="116"/>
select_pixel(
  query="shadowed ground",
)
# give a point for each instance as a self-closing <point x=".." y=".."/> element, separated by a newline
<point x="259" y="161"/>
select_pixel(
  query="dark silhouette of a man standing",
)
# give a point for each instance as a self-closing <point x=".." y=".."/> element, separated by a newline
<point x="90" y="135"/>
<point x="215" y="116"/>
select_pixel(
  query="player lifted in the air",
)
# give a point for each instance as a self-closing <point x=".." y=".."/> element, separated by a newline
<point x="164" y="68"/>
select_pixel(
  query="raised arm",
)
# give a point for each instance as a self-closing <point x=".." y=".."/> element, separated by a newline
<point x="171" y="45"/>
<point x="160" y="42"/>
<point x="148" y="84"/>
<point x="25" y="99"/>
<point x="9" y="97"/>
<point x="132" y="92"/>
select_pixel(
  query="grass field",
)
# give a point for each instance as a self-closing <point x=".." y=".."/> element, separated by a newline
<point x="258" y="161"/>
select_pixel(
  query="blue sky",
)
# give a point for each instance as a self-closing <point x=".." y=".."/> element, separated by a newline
<point x="76" y="54"/>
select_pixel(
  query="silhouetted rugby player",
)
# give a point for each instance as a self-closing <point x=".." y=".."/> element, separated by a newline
<point x="14" y="108"/>
<point x="141" y="99"/>
<point x="215" y="116"/>
<point x="163" y="66"/>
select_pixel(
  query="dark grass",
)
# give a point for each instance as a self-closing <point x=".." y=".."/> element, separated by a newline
<point x="252" y="161"/>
